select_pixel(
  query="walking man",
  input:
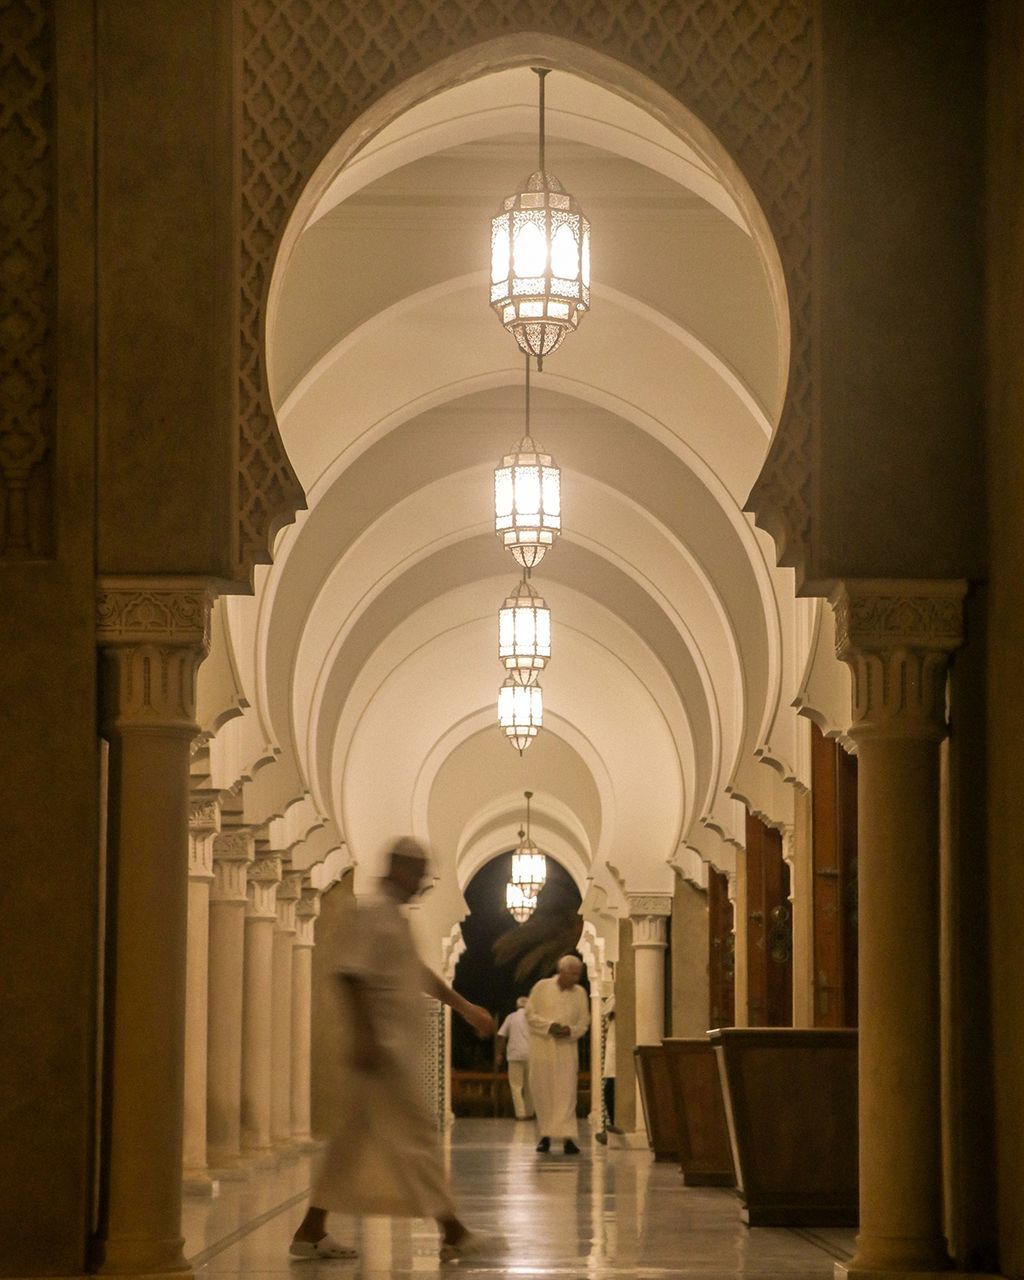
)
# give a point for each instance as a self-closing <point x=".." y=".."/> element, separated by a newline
<point x="558" y="1014"/>
<point x="384" y="1156"/>
<point x="514" y="1047"/>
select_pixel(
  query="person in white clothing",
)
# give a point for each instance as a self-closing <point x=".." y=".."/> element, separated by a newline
<point x="514" y="1048"/>
<point x="384" y="1156"/>
<point x="558" y="1013"/>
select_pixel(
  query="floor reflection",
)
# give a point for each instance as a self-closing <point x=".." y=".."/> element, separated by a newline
<point x="603" y="1213"/>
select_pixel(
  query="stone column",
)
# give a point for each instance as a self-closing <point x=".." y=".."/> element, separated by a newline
<point x="689" y="933"/>
<point x="650" y="913"/>
<point x="232" y="853"/>
<point x="152" y="635"/>
<point x="306" y="911"/>
<point x="281" y="1009"/>
<point x="897" y="637"/>
<point x="596" y="1059"/>
<point x="264" y="876"/>
<point x="203" y="826"/>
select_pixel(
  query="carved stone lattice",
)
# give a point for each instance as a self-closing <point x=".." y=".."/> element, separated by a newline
<point x="26" y="279"/>
<point x="311" y="67"/>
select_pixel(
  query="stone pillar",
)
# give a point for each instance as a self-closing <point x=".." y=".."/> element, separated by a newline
<point x="897" y="637"/>
<point x="281" y="1009"/>
<point x="596" y="1058"/>
<point x="650" y="913"/>
<point x="204" y="824"/>
<point x="264" y="876"/>
<point x="152" y="635"/>
<point x="232" y="853"/>
<point x="306" y="911"/>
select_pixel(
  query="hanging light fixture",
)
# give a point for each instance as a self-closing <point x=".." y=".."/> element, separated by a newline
<point x="529" y="865"/>
<point x="527" y="498"/>
<point x="524" y="634"/>
<point x="518" y="904"/>
<point x="520" y="712"/>
<point x="540" y="259"/>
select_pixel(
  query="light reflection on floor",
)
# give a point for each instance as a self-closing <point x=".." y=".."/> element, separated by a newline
<point x="604" y="1213"/>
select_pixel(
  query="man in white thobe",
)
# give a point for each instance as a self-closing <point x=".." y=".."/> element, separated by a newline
<point x="558" y="1013"/>
<point x="383" y="1157"/>
<point x="514" y="1048"/>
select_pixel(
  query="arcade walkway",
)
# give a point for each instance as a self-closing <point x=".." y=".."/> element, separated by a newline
<point x="601" y="1214"/>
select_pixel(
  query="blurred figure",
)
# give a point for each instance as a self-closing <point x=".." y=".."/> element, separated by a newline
<point x="514" y="1047"/>
<point x="384" y="1157"/>
<point x="558" y="1013"/>
<point x="608" y="1073"/>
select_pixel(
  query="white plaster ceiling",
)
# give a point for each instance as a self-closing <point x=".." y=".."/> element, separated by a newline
<point x="366" y="661"/>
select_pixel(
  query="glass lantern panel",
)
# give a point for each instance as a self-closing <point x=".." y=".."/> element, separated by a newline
<point x="543" y="637"/>
<point x="506" y="632"/>
<point x="530" y="252"/>
<point x="531" y="310"/>
<point x="586" y="254"/>
<point x="500" y="253"/>
<point x="531" y="200"/>
<point x="565" y="254"/>
<point x="503" y="492"/>
<point x="558" y="310"/>
<point x="527" y="492"/>
<point x="525" y="630"/>
<point x="551" y="491"/>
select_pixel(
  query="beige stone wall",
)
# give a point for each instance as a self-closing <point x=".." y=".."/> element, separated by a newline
<point x="626" y="1115"/>
<point x="328" y="1023"/>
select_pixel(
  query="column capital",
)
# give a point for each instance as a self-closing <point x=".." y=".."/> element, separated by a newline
<point x="232" y="852"/>
<point x="896" y="636"/>
<point x="288" y="894"/>
<point x="649" y="913"/>
<point x="306" y="911"/>
<point x="203" y="829"/>
<point x="263" y="879"/>
<point x="153" y="633"/>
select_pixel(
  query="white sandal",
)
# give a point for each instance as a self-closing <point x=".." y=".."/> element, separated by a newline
<point x="325" y="1247"/>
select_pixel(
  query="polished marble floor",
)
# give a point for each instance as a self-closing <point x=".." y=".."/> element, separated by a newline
<point x="604" y="1213"/>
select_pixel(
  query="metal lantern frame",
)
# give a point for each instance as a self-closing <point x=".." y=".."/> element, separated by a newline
<point x="529" y="865"/>
<point x="540" y="258"/>
<point x="524" y="634"/>
<point x="527" y="497"/>
<point x="519" y="904"/>
<point x="520" y="712"/>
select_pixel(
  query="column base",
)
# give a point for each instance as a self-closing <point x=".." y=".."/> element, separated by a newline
<point x="637" y="1140"/>
<point x="197" y="1182"/>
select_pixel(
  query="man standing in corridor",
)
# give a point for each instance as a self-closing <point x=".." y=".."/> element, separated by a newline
<point x="558" y="1014"/>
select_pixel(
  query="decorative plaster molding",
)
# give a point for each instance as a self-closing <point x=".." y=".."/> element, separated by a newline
<point x="310" y="68"/>
<point x="288" y="893"/>
<point x="27" y="252"/>
<point x="896" y="637"/>
<point x="650" y="931"/>
<point x="232" y="853"/>
<point x="649" y="904"/>
<point x="306" y="911"/>
<point x="263" y="876"/>
<point x="166" y="611"/>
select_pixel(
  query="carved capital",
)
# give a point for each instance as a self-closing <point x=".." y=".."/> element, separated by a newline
<point x="896" y="637"/>
<point x="153" y="634"/>
<point x="263" y="878"/>
<point x="287" y="900"/>
<point x="232" y="854"/>
<point x="306" y="911"/>
<point x="649" y="913"/>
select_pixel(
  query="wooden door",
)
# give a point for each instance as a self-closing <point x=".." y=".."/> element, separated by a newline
<point x="834" y="852"/>
<point x="721" y="952"/>
<point x="769" y="929"/>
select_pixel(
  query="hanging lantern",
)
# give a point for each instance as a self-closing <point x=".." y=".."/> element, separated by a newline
<point x="524" y="634"/>
<point x="529" y="865"/>
<point x="520" y="712"/>
<point x="540" y="259"/>
<point x="519" y="905"/>
<point x="527" y="498"/>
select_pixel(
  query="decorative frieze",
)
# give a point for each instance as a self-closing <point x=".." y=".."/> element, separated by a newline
<point x="306" y="911"/>
<point x="896" y="637"/>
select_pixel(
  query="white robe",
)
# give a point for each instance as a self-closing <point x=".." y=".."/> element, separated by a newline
<point x="554" y="1063"/>
<point x="383" y="1156"/>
